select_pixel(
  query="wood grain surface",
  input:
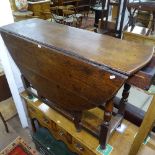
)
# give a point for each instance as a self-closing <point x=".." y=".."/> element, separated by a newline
<point x="104" y="51"/>
<point x="66" y="81"/>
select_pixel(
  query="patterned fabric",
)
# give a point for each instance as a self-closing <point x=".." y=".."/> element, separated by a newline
<point x="18" y="147"/>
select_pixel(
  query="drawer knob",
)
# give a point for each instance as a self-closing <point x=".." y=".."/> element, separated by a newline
<point x="61" y="133"/>
<point x="46" y="120"/>
<point x="31" y="110"/>
<point x="79" y="147"/>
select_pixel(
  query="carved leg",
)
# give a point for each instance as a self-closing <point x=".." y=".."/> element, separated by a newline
<point x="77" y="120"/>
<point x="124" y="99"/>
<point x="104" y="132"/>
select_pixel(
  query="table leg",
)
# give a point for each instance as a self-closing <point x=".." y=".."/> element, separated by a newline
<point x="77" y="119"/>
<point x="105" y="126"/>
<point x="124" y="99"/>
<point x="98" y="14"/>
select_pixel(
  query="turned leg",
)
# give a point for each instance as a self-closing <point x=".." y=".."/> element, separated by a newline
<point x="105" y="126"/>
<point x="124" y="99"/>
<point x="77" y="120"/>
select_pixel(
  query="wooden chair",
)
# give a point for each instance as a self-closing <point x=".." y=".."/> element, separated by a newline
<point x="5" y="94"/>
<point x="4" y="122"/>
<point x="67" y="15"/>
<point x="135" y="8"/>
<point x="145" y="128"/>
<point x="83" y="7"/>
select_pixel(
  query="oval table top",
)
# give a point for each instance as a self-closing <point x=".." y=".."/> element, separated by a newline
<point x="100" y="50"/>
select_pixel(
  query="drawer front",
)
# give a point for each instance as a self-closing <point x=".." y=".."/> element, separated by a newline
<point x="35" y="7"/>
<point x="42" y="150"/>
<point x="33" y="111"/>
<point x="45" y="6"/>
<point x="80" y="148"/>
<point x="37" y="13"/>
<point x="63" y="135"/>
<point x="45" y="121"/>
<point x="54" y="127"/>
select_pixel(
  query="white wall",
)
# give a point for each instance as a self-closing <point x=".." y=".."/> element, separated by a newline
<point x="11" y="71"/>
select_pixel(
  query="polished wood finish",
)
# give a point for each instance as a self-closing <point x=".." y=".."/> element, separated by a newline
<point x="83" y="143"/>
<point x="73" y="74"/>
<point x="40" y="31"/>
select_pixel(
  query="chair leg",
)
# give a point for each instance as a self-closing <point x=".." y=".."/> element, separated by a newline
<point x="5" y="124"/>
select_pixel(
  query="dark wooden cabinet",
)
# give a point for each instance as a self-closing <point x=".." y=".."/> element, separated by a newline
<point x="4" y="88"/>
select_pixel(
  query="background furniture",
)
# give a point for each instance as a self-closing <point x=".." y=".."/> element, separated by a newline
<point x="4" y="122"/>
<point x="22" y="15"/>
<point x="145" y="128"/>
<point x="4" y="88"/>
<point x="48" y="145"/>
<point x="4" y="94"/>
<point x="141" y="5"/>
<point x="139" y="34"/>
<point x="113" y="26"/>
<point x="40" y="9"/>
<point x="82" y="143"/>
<point x="67" y="15"/>
<point x="101" y="12"/>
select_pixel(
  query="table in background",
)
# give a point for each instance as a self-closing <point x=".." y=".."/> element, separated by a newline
<point x="40" y="9"/>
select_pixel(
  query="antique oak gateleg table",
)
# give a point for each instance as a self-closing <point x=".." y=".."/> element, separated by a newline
<point x="74" y="70"/>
